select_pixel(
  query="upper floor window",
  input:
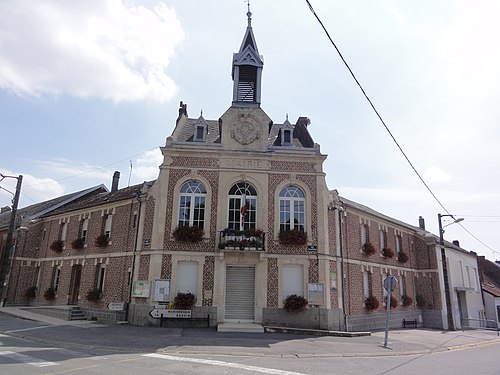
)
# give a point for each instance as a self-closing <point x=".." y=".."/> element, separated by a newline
<point x="399" y="243"/>
<point x="287" y="137"/>
<point x="85" y="228"/>
<point x="192" y="204"/>
<point x="64" y="231"/>
<point x="242" y="206"/>
<point x="383" y="239"/>
<point x="107" y="226"/>
<point x="292" y="208"/>
<point x="364" y="234"/>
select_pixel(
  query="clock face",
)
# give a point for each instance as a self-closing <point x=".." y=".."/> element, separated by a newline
<point x="245" y="132"/>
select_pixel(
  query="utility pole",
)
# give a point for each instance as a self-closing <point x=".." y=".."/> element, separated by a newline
<point x="8" y="254"/>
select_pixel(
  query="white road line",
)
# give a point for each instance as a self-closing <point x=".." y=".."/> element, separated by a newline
<point x="27" y="329"/>
<point x="222" y="364"/>
<point x="27" y="359"/>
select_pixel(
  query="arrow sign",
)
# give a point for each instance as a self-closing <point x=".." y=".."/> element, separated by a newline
<point x="166" y="313"/>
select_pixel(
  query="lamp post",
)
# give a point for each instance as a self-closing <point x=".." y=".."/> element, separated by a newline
<point x="8" y="253"/>
<point x="447" y="292"/>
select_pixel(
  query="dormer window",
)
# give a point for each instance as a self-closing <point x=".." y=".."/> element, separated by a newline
<point x="200" y="133"/>
<point x="200" y="129"/>
<point x="287" y="136"/>
<point x="286" y="133"/>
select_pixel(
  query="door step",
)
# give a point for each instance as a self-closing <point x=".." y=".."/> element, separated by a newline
<point x="76" y="314"/>
<point x="240" y="327"/>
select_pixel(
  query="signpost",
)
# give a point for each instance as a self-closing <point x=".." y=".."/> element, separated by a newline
<point x="168" y="313"/>
<point x="390" y="283"/>
<point x="116" y="306"/>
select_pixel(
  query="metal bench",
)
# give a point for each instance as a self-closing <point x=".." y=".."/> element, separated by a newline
<point x="410" y="322"/>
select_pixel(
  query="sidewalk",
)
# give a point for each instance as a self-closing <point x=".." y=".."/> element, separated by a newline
<point x="206" y="341"/>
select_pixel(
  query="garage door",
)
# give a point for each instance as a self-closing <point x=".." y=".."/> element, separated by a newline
<point x="240" y="293"/>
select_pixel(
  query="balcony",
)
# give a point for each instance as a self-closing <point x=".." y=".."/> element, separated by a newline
<point x="249" y="239"/>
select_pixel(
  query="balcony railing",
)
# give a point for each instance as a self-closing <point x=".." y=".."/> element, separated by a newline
<point x="250" y="239"/>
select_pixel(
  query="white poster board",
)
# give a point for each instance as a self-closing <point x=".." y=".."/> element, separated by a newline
<point x="141" y="288"/>
<point x="315" y="293"/>
<point x="161" y="290"/>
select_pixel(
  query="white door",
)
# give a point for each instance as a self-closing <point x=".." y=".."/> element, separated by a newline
<point x="240" y="293"/>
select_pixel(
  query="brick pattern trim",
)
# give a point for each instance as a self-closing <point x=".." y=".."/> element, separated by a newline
<point x="272" y="282"/>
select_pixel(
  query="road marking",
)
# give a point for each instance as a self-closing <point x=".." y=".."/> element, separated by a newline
<point x="27" y="359"/>
<point x="27" y="329"/>
<point x="223" y="364"/>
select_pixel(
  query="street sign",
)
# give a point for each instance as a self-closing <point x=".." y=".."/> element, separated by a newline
<point x="116" y="306"/>
<point x="312" y="248"/>
<point x="390" y="283"/>
<point x="167" y="313"/>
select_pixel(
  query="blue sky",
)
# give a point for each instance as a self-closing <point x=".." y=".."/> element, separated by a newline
<point x="88" y="86"/>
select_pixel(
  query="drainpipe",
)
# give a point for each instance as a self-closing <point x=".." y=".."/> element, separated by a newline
<point x="134" y="255"/>
<point x="341" y="214"/>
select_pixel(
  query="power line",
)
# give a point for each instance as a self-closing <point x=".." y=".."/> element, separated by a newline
<point x="385" y="125"/>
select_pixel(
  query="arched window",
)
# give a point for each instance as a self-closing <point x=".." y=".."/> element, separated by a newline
<point x="242" y="206"/>
<point x="192" y="204"/>
<point x="292" y="208"/>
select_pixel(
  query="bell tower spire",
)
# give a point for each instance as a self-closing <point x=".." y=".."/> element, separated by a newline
<point x="247" y="70"/>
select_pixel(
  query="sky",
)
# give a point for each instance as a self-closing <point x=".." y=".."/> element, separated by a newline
<point x="92" y="86"/>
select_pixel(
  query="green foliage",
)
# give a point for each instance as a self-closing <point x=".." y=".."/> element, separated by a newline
<point x="57" y="246"/>
<point x="295" y="303"/>
<point x="49" y="294"/>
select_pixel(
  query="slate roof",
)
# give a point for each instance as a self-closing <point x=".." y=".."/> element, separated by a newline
<point x="490" y="276"/>
<point x="39" y="209"/>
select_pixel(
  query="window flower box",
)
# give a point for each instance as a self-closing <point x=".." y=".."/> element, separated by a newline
<point x="295" y="303"/>
<point x="372" y="303"/>
<point x="30" y="293"/>
<point x="102" y="241"/>
<point x="57" y="246"/>
<point x="403" y="257"/>
<point x="188" y="233"/>
<point x="406" y="300"/>
<point x="387" y="252"/>
<point x="368" y="249"/>
<point x="293" y="237"/>
<point x="78" y="243"/>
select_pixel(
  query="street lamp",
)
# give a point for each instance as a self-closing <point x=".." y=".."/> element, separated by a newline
<point x="8" y="254"/>
<point x="447" y="292"/>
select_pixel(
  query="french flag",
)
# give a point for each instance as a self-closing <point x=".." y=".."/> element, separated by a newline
<point x="243" y="210"/>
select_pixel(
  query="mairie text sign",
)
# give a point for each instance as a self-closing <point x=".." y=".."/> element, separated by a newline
<point x="166" y="313"/>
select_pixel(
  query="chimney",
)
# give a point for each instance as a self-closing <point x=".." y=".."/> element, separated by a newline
<point x="5" y="209"/>
<point x="456" y="243"/>
<point x="116" y="179"/>
<point x="421" y="222"/>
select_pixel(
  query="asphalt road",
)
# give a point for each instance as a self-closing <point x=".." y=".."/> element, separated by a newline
<point x="29" y="347"/>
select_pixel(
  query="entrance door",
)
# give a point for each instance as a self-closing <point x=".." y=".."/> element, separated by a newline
<point x="240" y="293"/>
<point x="74" y="286"/>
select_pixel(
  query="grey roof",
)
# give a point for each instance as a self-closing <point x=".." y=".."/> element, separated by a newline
<point x="38" y="209"/>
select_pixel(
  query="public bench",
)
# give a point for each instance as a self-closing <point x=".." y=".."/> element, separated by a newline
<point x="410" y="322"/>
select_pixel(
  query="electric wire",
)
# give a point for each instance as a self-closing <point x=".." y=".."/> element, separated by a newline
<point x="385" y="125"/>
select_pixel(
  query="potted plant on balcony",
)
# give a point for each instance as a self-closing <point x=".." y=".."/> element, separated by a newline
<point x="406" y="300"/>
<point x="387" y="252"/>
<point x="57" y="246"/>
<point x="93" y="295"/>
<point x="402" y="257"/>
<point x="188" y="233"/>
<point x="49" y="294"/>
<point x="293" y="237"/>
<point x="184" y="301"/>
<point x="371" y="303"/>
<point x="295" y="303"/>
<point x="78" y="243"/>
<point x="368" y="248"/>
<point x="102" y="241"/>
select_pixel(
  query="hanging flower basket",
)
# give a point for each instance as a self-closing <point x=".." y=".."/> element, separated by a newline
<point x="293" y="237"/>
<point x="188" y="233"/>
<point x="78" y="243"/>
<point x="30" y="293"/>
<point x="387" y="252"/>
<point x="93" y="295"/>
<point x="372" y="303"/>
<point x="102" y="241"/>
<point x="295" y="303"/>
<point x="406" y="300"/>
<point x="369" y="249"/>
<point x="184" y="301"/>
<point x="57" y="246"/>
<point x="49" y="294"/>
<point x="403" y="257"/>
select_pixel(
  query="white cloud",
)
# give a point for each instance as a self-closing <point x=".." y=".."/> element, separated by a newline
<point x="64" y="168"/>
<point x="97" y="48"/>
<point x="435" y="174"/>
<point x="146" y="166"/>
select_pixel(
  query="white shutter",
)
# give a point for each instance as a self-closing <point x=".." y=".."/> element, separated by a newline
<point x="293" y="280"/>
<point x="187" y="277"/>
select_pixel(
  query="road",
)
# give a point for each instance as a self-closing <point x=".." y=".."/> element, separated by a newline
<point x="28" y="347"/>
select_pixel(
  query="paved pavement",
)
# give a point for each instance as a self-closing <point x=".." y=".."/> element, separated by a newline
<point x="206" y="341"/>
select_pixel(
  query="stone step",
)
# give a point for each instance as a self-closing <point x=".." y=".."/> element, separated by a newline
<point x="240" y="327"/>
